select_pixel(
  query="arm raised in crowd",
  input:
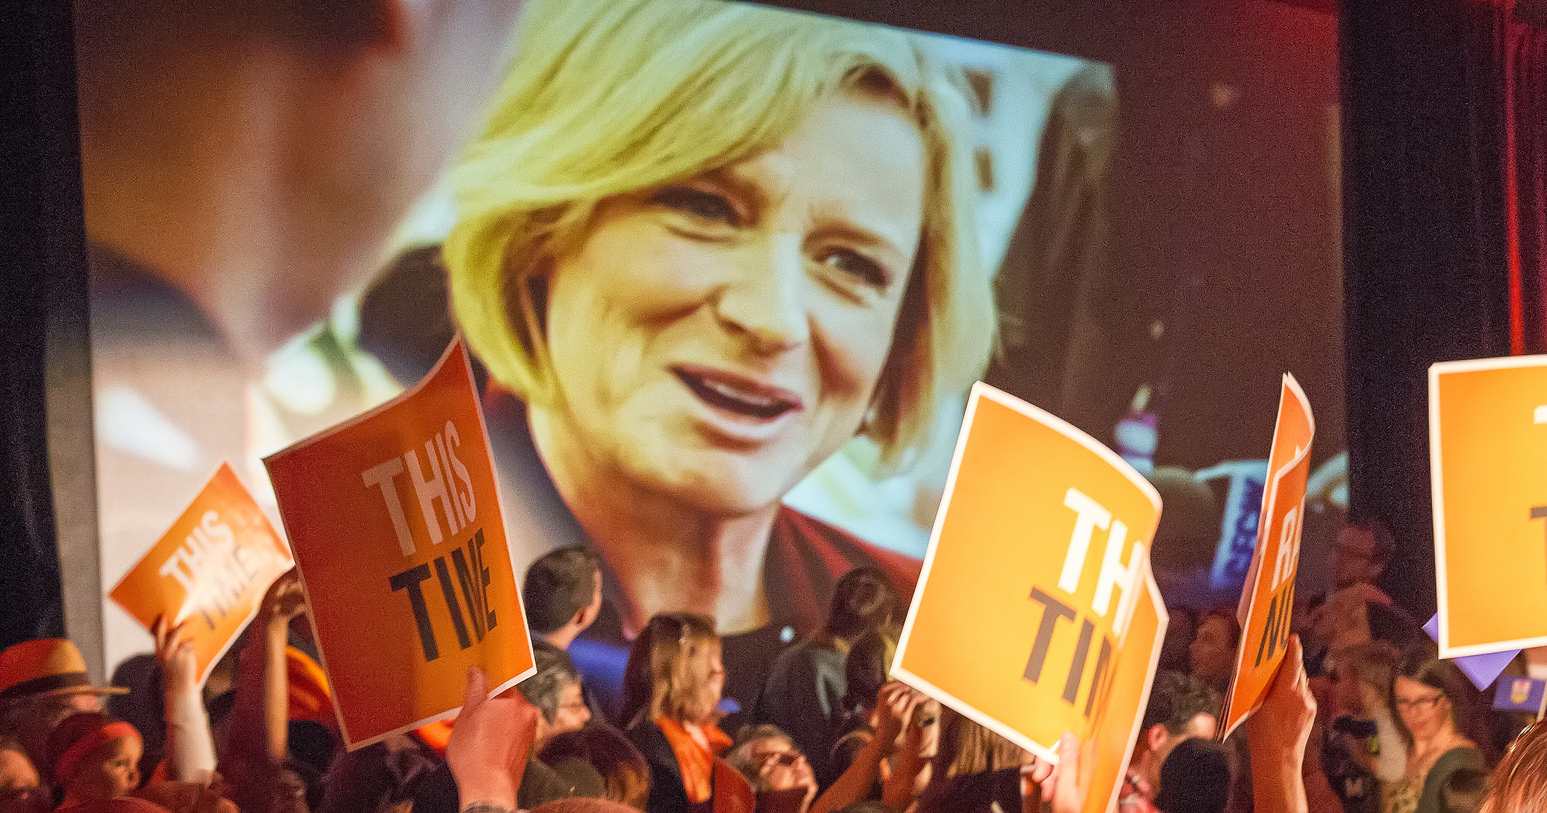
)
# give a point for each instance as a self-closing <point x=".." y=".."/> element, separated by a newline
<point x="259" y="718"/>
<point x="490" y="746"/>
<point x="257" y="743"/>
<point x="1071" y="782"/>
<point x="190" y="749"/>
<point x="1277" y="735"/>
<point x="894" y="703"/>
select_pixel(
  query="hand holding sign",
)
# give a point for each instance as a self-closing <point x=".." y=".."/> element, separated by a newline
<point x="490" y="744"/>
<point x="1284" y="719"/>
<point x="1036" y="613"/>
<point x="400" y="543"/>
<point x="1072" y="779"/>
<point x="174" y="650"/>
<point x="207" y="573"/>
<point x="1268" y="600"/>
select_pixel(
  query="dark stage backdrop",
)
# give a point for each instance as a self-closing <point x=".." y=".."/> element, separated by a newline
<point x="1430" y="249"/>
<point x="1443" y="260"/>
<point x="40" y="226"/>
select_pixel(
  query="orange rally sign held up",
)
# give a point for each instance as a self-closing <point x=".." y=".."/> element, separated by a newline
<point x="1268" y="598"/>
<point x="1488" y="465"/>
<point x="210" y="569"/>
<point x="396" y="524"/>
<point x="1036" y="612"/>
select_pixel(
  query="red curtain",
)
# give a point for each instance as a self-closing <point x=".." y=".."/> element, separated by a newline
<point x="1522" y="53"/>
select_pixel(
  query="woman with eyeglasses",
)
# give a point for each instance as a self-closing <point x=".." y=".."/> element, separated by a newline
<point x="671" y="693"/>
<point x="1434" y="711"/>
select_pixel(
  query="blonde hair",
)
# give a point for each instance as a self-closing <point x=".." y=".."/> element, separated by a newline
<point x="609" y="97"/>
<point x="682" y="648"/>
<point x="968" y="748"/>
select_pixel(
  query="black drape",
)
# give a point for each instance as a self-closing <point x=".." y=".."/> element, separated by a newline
<point x="1427" y="239"/>
<point x="40" y="226"/>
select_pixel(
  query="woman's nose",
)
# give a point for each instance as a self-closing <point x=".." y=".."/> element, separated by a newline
<point x="763" y="296"/>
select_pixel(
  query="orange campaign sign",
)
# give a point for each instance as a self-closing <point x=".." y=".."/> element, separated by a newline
<point x="211" y="569"/>
<point x="396" y="524"/>
<point x="1268" y="599"/>
<point x="1488" y="465"/>
<point x="1036" y="612"/>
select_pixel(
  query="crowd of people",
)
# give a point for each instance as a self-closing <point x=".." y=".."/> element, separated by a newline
<point x="688" y="281"/>
<point x="1365" y="719"/>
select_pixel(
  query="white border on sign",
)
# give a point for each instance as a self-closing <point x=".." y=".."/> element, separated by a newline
<point x="981" y="391"/>
<point x="1437" y="485"/>
<point x="483" y="428"/>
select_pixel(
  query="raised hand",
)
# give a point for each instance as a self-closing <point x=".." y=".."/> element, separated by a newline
<point x="174" y="650"/>
<point x="190" y="749"/>
<point x="1277" y="735"/>
<point x="490" y="744"/>
<point x="1071" y="780"/>
<point x="1066" y="784"/>
<point x="284" y="600"/>
<point x="894" y="705"/>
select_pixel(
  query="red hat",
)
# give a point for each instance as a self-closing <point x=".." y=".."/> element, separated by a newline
<point x="78" y="737"/>
<point x="46" y="668"/>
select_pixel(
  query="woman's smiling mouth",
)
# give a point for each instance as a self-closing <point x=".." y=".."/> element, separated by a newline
<point x="737" y="395"/>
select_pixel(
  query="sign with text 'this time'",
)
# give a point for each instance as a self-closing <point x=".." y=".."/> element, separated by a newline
<point x="395" y="521"/>
<point x="209" y="571"/>
<point x="1036" y="612"/>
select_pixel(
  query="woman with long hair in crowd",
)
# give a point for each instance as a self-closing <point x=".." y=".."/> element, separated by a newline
<point x="966" y="756"/>
<point x="1436" y="712"/>
<point x="675" y="669"/>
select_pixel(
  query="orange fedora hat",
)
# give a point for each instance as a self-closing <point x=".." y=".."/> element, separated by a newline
<point x="46" y="668"/>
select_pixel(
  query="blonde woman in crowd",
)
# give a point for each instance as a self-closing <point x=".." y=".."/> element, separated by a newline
<point x="673" y="691"/>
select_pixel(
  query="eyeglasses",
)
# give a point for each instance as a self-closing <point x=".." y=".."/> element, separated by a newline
<point x="1421" y="703"/>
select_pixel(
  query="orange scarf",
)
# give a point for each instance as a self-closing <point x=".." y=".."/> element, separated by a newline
<point x="696" y="763"/>
<point x="437" y="735"/>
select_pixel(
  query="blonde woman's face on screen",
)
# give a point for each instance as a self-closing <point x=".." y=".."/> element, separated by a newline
<point x="716" y="338"/>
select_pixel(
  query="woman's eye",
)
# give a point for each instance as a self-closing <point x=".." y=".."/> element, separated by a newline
<point x="858" y="266"/>
<point x="699" y="204"/>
